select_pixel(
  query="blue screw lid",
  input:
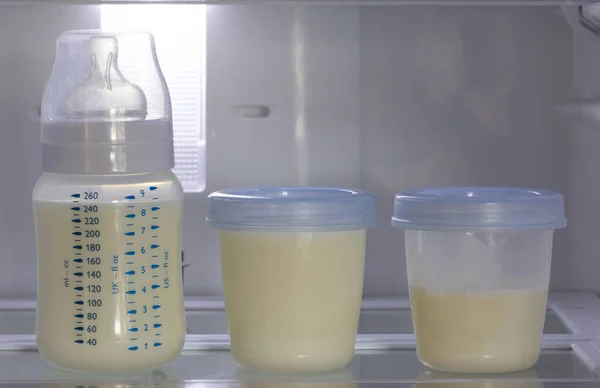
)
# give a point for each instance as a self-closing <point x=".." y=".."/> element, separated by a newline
<point x="472" y="208"/>
<point x="291" y="209"/>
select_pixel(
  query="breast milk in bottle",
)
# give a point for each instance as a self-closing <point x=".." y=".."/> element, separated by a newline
<point x="108" y="209"/>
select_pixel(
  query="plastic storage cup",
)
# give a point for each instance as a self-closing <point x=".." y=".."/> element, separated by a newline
<point x="478" y="263"/>
<point x="292" y="265"/>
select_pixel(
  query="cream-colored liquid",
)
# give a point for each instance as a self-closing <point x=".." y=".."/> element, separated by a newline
<point x="293" y="299"/>
<point x="114" y="337"/>
<point x="478" y="331"/>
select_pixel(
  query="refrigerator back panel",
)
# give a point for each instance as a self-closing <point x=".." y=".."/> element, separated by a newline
<point x="383" y="98"/>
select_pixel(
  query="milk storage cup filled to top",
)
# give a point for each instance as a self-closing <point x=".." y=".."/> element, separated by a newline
<point x="478" y="263"/>
<point x="292" y="261"/>
<point x="108" y="209"/>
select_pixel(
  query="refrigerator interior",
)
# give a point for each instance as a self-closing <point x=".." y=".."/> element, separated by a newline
<point x="378" y="95"/>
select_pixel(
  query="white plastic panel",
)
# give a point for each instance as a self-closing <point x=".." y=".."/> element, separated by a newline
<point x="460" y="96"/>
<point x="584" y="182"/>
<point x="26" y="57"/>
<point x="380" y="98"/>
<point x="301" y="63"/>
<point x="179" y="32"/>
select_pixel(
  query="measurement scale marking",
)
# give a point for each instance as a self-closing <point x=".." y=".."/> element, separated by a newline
<point x="130" y="271"/>
<point x="155" y="236"/>
<point x="76" y="219"/>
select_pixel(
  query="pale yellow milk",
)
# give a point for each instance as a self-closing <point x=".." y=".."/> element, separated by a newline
<point x="293" y="299"/>
<point x="478" y="331"/>
<point x="112" y="329"/>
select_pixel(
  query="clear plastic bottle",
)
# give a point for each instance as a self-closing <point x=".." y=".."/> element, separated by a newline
<point x="108" y="209"/>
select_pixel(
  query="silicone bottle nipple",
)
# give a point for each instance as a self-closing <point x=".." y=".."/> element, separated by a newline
<point x="106" y="93"/>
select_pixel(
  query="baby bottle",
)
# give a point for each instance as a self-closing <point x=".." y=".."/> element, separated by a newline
<point x="108" y="209"/>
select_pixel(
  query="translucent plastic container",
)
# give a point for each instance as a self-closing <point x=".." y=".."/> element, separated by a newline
<point x="110" y="295"/>
<point x="108" y="209"/>
<point x="293" y="264"/>
<point x="478" y="263"/>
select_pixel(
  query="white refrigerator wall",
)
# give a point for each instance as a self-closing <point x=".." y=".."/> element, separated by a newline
<point x="27" y="44"/>
<point x="461" y="96"/>
<point x="379" y="98"/>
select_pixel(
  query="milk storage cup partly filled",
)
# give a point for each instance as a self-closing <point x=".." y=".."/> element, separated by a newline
<point x="478" y="263"/>
<point x="292" y="264"/>
<point x="108" y="209"/>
